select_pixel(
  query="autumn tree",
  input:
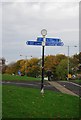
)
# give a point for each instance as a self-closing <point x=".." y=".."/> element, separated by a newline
<point x="13" y="67"/>
<point x="10" y="68"/>
<point x="50" y="64"/>
<point x="60" y="57"/>
<point x="57" y="64"/>
<point x="23" y="66"/>
<point x="33" y="67"/>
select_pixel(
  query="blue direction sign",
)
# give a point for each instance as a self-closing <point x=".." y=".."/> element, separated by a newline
<point x="54" y="44"/>
<point x="33" y="43"/>
<point x="53" y="40"/>
<point x="40" y="39"/>
<point x="49" y="42"/>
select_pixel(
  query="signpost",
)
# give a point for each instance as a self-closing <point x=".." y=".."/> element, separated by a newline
<point x="54" y="44"/>
<point x="42" y="41"/>
<point x="33" y="43"/>
<point x="48" y="42"/>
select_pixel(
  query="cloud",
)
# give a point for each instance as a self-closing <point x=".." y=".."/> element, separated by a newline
<point x="0" y="29"/>
<point x="41" y="1"/>
<point x="27" y="15"/>
<point x="24" y="21"/>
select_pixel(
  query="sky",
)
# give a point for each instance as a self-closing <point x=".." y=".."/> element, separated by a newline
<point x="24" y="20"/>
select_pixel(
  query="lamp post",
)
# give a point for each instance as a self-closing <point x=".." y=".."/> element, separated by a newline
<point x="68" y="64"/>
<point x="68" y="58"/>
<point x="44" y="33"/>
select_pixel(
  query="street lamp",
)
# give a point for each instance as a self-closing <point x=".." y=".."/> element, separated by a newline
<point x="44" y="33"/>
<point x="68" y="58"/>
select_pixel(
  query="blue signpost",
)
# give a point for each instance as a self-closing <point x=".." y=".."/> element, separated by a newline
<point x="42" y="41"/>
<point x="49" y="42"/>
<point x="33" y="43"/>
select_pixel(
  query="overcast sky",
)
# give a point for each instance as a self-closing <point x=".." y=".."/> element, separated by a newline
<point x="22" y="21"/>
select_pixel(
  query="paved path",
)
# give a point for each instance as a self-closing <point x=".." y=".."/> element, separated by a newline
<point x="62" y="88"/>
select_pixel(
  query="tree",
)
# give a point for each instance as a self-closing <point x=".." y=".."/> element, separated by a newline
<point x="10" y="68"/>
<point x="13" y="67"/>
<point x="60" y="57"/>
<point x="50" y="64"/>
<point x="33" y="67"/>
<point x="61" y="69"/>
<point x="73" y="65"/>
<point x="23" y="66"/>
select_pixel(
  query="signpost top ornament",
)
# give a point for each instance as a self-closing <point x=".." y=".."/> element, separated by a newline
<point x="44" y="32"/>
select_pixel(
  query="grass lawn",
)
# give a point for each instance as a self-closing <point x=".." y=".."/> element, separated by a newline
<point x="16" y="77"/>
<point x="0" y="101"/>
<point x="77" y="81"/>
<point x="20" y="102"/>
<point x="0" y="76"/>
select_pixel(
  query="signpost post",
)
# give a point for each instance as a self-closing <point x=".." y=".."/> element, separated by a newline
<point x="42" y="41"/>
<point x="44" y="33"/>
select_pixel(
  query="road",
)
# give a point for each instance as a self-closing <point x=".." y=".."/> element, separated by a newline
<point x="71" y="86"/>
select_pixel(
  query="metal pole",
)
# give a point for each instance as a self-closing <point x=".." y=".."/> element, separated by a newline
<point x="42" y="81"/>
<point x="68" y="62"/>
<point x="42" y="86"/>
<point x="44" y="33"/>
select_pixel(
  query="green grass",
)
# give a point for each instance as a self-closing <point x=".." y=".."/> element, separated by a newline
<point x="0" y="76"/>
<point x="77" y="81"/>
<point x="16" y="77"/>
<point x="20" y="102"/>
<point x="0" y="101"/>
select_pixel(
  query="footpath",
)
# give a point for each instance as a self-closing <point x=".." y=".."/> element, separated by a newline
<point x="61" y="88"/>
